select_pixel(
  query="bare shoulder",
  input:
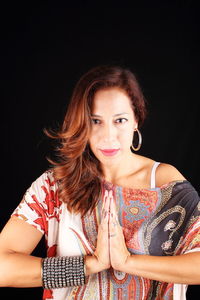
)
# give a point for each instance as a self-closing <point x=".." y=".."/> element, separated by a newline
<point x="166" y="173"/>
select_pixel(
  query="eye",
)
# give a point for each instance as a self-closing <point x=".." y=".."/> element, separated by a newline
<point x="95" y="121"/>
<point x="121" y="120"/>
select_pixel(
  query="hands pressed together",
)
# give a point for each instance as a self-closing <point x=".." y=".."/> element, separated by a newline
<point x="111" y="249"/>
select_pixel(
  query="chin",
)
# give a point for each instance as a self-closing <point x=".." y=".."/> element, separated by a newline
<point x="112" y="159"/>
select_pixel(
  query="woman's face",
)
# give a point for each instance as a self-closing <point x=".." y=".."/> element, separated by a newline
<point x="113" y="123"/>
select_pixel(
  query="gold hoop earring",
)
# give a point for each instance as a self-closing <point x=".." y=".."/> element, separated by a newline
<point x="139" y="140"/>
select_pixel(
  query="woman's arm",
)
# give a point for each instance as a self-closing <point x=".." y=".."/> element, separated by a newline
<point x="183" y="269"/>
<point x="17" y="241"/>
<point x="17" y="268"/>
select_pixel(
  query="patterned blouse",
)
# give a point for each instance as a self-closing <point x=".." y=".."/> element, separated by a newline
<point x="156" y="221"/>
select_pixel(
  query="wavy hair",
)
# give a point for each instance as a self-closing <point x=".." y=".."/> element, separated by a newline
<point x="77" y="171"/>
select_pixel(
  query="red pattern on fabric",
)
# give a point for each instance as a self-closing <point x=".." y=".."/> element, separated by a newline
<point x="165" y="290"/>
<point x="119" y="281"/>
<point x="147" y="197"/>
<point x="190" y="239"/>
<point x="86" y="233"/>
<point x="52" y="202"/>
<point x="49" y="182"/>
<point x="51" y="251"/>
<point x="119" y="294"/>
<point x="100" y="287"/>
<point x="47" y="294"/>
<point x="149" y="200"/>
<point x="42" y="220"/>
<point x="132" y="289"/>
<point x="131" y="233"/>
<point x="43" y="223"/>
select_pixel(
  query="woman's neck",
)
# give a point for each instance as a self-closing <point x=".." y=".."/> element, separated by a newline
<point x="121" y="169"/>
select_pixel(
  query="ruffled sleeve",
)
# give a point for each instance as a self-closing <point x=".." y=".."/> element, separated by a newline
<point x="190" y="241"/>
<point x="40" y="202"/>
<point x="175" y="227"/>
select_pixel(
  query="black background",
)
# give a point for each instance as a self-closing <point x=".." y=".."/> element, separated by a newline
<point x="47" y="46"/>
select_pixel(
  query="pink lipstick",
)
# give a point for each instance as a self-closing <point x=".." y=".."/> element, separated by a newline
<point x="109" y="152"/>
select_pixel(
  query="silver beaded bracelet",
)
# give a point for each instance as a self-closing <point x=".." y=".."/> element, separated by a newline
<point x="63" y="271"/>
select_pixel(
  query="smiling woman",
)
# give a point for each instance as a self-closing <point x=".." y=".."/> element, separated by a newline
<point x="109" y="137"/>
<point x="108" y="131"/>
<point x="117" y="225"/>
<point x="102" y="92"/>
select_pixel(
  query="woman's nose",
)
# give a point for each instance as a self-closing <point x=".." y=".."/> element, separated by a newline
<point x="109" y="133"/>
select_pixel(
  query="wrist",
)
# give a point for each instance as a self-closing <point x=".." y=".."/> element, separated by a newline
<point x="124" y="265"/>
<point x="92" y="265"/>
<point x="128" y="261"/>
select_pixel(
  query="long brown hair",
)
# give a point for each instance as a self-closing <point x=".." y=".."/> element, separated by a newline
<point x="77" y="170"/>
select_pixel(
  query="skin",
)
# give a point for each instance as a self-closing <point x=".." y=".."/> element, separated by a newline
<point x="112" y="132"/>
<point x="19" y="269"/>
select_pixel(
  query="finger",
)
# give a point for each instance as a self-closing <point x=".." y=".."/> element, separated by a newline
<point x="106" y="205"/>
<point x="104" y="200"/>
<point x="105" y="210"/>
<point x="113" y="209"/>
<point x="113" y="221"/>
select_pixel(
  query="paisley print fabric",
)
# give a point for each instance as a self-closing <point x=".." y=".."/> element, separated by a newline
<point x="157" y="221"/>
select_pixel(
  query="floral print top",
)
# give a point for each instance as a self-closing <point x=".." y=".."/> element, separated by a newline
<point x="156" y="221"/>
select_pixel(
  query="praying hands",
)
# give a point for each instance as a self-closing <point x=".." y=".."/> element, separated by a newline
<point x="111" y="249"/>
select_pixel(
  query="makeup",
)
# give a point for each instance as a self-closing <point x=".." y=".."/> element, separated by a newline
<point x="109" y="152"/>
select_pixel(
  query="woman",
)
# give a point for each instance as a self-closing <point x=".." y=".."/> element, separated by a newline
<point x="117" y="225"/>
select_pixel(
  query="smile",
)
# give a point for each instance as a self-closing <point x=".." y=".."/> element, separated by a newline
<point x="109" y="152"/>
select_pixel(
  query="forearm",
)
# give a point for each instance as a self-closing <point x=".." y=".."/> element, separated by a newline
<point x="183" y="269"/>
<point x="20" y="270"/>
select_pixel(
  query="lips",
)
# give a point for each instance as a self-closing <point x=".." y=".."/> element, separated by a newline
<point x="109" y="152"/>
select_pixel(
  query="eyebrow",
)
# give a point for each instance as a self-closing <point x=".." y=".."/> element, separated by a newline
<point x="124" y="113"/>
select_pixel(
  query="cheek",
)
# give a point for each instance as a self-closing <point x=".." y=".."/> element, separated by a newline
<point x="93" y="141"/>
<point x="95" y="135"/>
<point x="126" y="140"/>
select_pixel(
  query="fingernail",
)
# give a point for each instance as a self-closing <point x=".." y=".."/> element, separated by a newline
<point x="106" y="193"/>
<point x="110" y="193"/>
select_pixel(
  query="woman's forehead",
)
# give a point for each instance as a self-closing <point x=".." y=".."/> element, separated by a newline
<point x="112" y="98"/>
